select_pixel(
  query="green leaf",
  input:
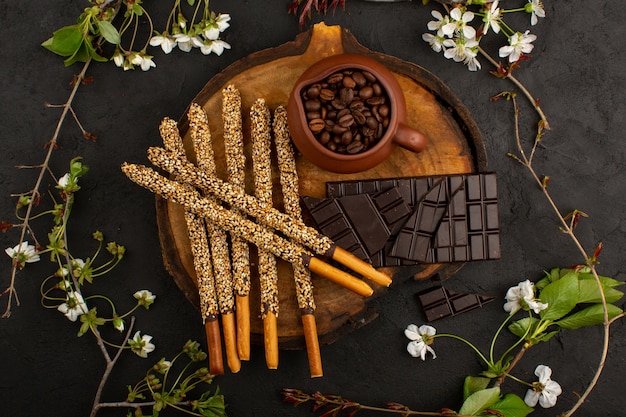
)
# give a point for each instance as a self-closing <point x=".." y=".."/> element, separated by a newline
<point x="473" y="384"/>
<point x="589" y="292"/>
<point x="512" y="406"/>
<point x="109" y="32"/>
<point x="65" y="41"/>
<point x="544" y="337"/>
<point x="519" y="327"/>
<point x="589" y="316"/>
<point x="80" y="55"/>
<point x="480" y="400"/>
<point x="608" y="282"/>
<point x="561" y="297"/>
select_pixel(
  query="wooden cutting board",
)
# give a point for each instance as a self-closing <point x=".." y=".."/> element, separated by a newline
<point x="455" y="147"/>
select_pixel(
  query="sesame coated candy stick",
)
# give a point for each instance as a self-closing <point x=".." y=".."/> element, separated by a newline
<point x="291" y="199"/>
<point x="237" y="224"/>
<point x="235" y="166"/>
<point x="268" y="273"/>
<point x="197" y="232"/>
<point x="269" y="216"/>
<point x="201" y="140"/>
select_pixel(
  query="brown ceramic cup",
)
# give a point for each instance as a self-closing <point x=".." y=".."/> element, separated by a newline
<point x="396" y="133"/>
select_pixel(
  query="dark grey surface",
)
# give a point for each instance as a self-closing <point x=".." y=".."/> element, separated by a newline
<point x="577" y="71"/>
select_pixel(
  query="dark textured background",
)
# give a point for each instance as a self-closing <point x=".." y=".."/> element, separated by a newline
<point x="577" y="71"/>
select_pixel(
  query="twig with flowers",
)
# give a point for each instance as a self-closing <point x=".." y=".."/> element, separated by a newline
<point x="564" y="299"/>
<point x="64" y="290"/>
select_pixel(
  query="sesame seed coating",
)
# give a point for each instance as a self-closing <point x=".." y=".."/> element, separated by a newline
<point x="291" y="198"/>
<point x="261" y="156"/>
<point x="201" y="139"/>
<point x="171" y="137"/>
<point x="202" y="264"/>
<point x="235" y="166"/>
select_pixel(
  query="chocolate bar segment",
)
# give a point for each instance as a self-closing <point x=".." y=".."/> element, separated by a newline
<point x="414" y="241"/>
<point x="439" y="302"/>
<point x="360" y="223"/>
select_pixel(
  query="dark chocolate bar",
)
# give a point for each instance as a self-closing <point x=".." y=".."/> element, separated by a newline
<point x="439" y="302"/>
<point x="360" y="223"/>
<point x="468" y="228"/>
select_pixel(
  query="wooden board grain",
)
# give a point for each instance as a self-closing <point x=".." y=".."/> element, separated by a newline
<point x="455" y="147"/>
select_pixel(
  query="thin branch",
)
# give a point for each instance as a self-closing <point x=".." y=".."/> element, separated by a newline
<point x="11" y="290"/>
<point x="519" y="85"/>
<point x="110" y="363"/>
<point x="570" y="232"/>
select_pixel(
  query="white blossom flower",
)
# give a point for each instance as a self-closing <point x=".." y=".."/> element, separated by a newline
<point x="118" y="323"/>
<point x="545" y="391"/>
<point x="145" y="298"/>
<point x="216" y="46"/>
<point x="460" y="49"/>
<point x="437" y="25"/>
<point x="536" y="10"/>
<point x="77" y="267"/>
<point x="523" y="296"/>
<point x="23" y="254"/>
<point x="473" y="64"/>
<point x="74" y="306"/>
<point x="213" y="30"/>
<point x="492" y="18"/>
<point x="64" y="181"/>
<point x="141" y="345"/>
<point x="165" y="41"/>
<point x="459" y="21"/>
<point x="118" y="58"/>
<point x="519" y="43"/>
<point x="147" y="63"/>
<point x="184" y="42"/>
<point x="421" y="339"/>
<point x="435" y="42"/>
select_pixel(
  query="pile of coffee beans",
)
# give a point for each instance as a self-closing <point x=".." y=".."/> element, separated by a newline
<point x="348" y="112"/>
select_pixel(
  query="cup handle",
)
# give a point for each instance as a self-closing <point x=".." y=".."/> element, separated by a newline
<point x="409" y="138"/>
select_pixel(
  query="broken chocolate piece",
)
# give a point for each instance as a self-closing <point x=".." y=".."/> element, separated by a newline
<point x="360" y="223"/>
<point x="439" y="302"/>
<point x="414" y="241"/>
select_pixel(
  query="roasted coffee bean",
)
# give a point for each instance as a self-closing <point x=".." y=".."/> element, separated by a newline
<point x="346" y="120"/>
<point x="369" y="76"/>
<point x="355" y="147"/>
<point x="346" y="95"/>
<point x="348" y="82"/>
<point x="335" y="78"/>
<point x="366" y="92"/>
<point x="359" y="78"/>
<point x="316" y="125"/>
<point x="314" y="115"/>
<point x="338" y="104"/>
<point x="314" y="91"/>
<point x="371" y="122"/>
<point x="324" y="137"/>
<point x="375" y="101"/>
<point x="383" y="110"/>
<point x="346" y="138"/>
<point x="378" y="90"/>
<point x="312" y="105"/>
<point x="357" y="104"/>
<point x="339" y="129"/>
<point x="327" y="94"/>
<point x="359" y="118"/>
<point x="332" y="146"/>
